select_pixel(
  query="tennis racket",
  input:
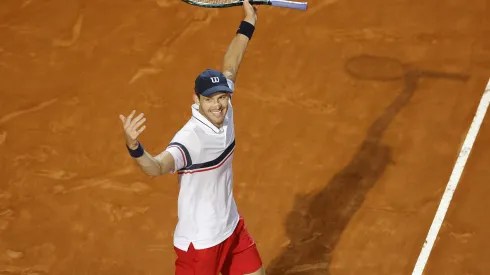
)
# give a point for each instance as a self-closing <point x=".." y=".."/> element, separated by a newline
<point x="232" y="3"/>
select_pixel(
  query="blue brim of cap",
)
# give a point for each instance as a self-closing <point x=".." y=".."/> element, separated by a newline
<point x="215" y="89"/>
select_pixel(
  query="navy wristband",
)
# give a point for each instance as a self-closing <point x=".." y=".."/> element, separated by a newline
<point x="138" y="152"/>
<point x="246" y="29"/>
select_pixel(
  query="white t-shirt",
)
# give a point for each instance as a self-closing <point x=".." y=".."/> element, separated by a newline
<point x="203" y="156"/>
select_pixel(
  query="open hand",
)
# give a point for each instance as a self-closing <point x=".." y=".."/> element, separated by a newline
<point x="133" y="128"/>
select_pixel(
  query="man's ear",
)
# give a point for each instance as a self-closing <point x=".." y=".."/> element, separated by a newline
<point x="196" y="99"/>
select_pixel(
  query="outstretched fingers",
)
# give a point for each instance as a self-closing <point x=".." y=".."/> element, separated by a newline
<point x="140" y="130"/>
<point x="129" y="119"/>
<point x="139" y="123"/>
<point x="136" y="120"/>
<point x="138" y="127"/>
<point x="133" y="126"/>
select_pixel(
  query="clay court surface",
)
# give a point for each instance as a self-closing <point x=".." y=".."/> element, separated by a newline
<point x="349" y="119"/>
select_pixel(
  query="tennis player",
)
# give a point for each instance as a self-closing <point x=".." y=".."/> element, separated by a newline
<point x="210" y="236"/>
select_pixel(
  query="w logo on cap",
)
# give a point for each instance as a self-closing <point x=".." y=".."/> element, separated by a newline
<point x="211" y="81"/>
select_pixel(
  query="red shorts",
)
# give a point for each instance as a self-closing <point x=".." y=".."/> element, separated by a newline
<point x="237" y="255"/>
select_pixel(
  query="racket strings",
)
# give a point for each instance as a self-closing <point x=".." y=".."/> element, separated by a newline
<point x="218" y="2"/>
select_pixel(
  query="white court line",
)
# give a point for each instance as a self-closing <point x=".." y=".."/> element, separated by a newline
<point x="453" y="182"/>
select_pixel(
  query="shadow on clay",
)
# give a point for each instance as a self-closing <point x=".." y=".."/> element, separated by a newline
<point x="317" y="220"/>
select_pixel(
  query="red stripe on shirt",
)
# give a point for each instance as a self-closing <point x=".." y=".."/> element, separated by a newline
<point x="182" y="152"/>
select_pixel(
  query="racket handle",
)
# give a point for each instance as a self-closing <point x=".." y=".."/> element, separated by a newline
<point x="289" y="4"/>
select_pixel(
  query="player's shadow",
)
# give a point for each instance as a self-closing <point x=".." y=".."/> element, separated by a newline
<point x="317" y="221"/>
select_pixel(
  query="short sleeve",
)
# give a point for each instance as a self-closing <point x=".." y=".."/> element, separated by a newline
<point x="183" y="147"/>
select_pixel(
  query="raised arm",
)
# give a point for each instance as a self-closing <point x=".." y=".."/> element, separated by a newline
<point x="152" y="166"/>
<point x="238" y="45"/>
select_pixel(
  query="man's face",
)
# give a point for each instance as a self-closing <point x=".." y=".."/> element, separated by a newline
<point x="214" y="107"/>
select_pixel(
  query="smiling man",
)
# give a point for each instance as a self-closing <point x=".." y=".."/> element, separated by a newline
<point x="212" y="93"/>
<point x="210" y="236"/>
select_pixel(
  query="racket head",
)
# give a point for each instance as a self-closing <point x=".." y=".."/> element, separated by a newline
<point x="223" y="3"/>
